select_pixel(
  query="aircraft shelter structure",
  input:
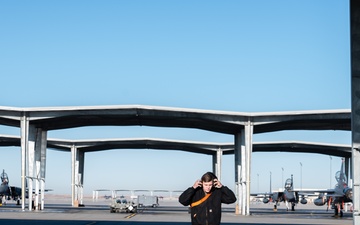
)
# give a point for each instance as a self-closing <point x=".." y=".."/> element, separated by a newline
<point x="34" y="123"/>
<point x="216" y="150"/>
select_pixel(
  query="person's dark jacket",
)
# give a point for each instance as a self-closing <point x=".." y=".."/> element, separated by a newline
<point x="208" y="212"/>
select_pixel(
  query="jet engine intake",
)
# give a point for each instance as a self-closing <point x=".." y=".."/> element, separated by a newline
<point x="348" y="193"/>
<point x="319" y="201"/>
<point x="303" y="201"/>
<point x="265" y="200"/>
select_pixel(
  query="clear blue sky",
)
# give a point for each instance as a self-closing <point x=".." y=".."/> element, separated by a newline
<point x="244" y="56"/>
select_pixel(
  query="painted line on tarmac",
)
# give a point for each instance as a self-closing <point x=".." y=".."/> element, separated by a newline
<point x="130" y="216"/>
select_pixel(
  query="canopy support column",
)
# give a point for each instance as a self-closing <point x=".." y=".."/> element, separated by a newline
<point x="217" y="163"/>
<point x="77" y="171"/>
<point x="30" y="164"/>
<point x="40" y="158"/>
<point x="238" y="172"/>
<point x="248" y="153"/>
<point x="24" y="133"/>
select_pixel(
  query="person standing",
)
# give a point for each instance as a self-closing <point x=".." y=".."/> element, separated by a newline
<point x="205" y="198"/>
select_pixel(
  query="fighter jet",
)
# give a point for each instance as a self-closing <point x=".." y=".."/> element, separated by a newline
<point x="8" y="192"/>
<point x="289" y="195"/>
<point x="11" y="192"/>
<point x="338" y="196"/>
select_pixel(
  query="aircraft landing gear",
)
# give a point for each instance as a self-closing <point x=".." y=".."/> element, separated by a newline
<point x="338" y="211"/>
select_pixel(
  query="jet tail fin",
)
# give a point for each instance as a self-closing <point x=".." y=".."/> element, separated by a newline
<point x="340" y="175"/>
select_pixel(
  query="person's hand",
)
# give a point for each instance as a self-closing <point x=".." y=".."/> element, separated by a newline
<point x="197" y="184"/>
<point x="217" y="183"/>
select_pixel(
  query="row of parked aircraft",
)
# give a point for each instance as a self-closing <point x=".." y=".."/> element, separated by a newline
<point x="334" y="198"/>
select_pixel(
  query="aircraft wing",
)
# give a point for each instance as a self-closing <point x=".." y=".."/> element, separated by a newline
<point x="15" y="191"/>
<point x="313" y="192"/>
<point x="262" y="195"/>
<point x="34" y="191"/>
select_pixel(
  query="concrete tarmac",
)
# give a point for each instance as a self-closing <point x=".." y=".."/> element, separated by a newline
<point x="60" y="211"/>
